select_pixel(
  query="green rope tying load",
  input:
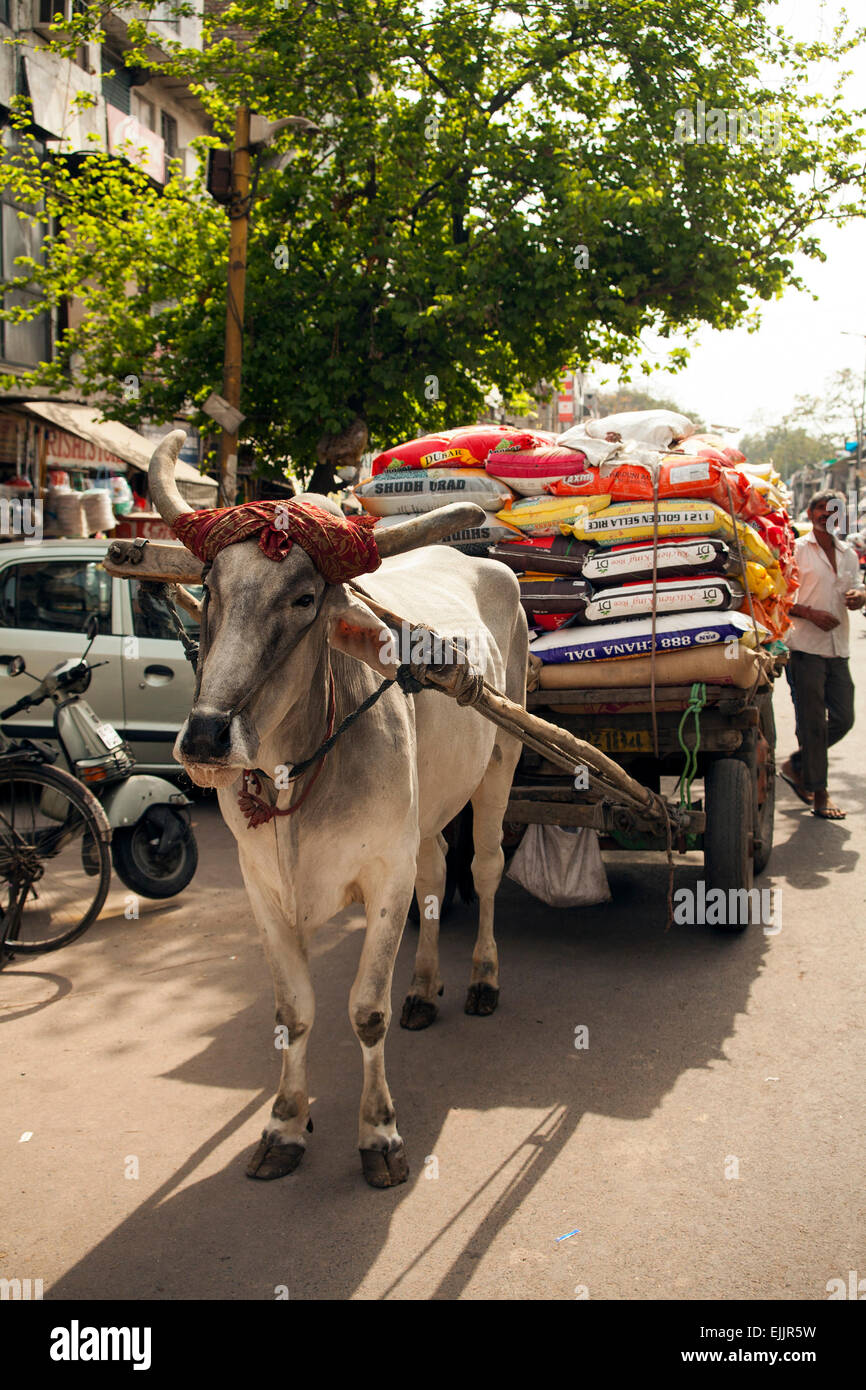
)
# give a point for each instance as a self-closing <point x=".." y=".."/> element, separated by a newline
<point x="697" y="700"/>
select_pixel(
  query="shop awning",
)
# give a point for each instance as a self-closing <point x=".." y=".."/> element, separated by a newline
<point x="125" y="444"/>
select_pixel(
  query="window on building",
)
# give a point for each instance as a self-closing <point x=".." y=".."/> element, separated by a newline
<point x="5" y="7"/>
<point x="117" y="86"/>
<point x="47" y="9"/>
<point x="168" y="131"/>
<point x="55" y="596"/>
<point x="145" y="112"/>
<point x="21" y="344"/>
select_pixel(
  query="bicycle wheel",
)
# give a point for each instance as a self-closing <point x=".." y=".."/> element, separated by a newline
<point x="55" y="861"/>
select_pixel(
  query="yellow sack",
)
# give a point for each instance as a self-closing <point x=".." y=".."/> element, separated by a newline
<point x="548" y="516"/>
<point x="758" y="580"/>
<point x="629" y="522"/>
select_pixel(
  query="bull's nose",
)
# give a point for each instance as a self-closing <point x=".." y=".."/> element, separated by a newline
<point x="207" y="738"/>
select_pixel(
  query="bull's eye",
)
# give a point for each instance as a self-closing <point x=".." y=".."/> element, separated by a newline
<point x="305" y="601"/>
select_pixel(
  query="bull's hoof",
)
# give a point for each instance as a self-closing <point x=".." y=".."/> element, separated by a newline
<point x="418" y="1013"/>
<point x="481" y="999"/>
<point x="273" y="1159"/>
<point x="385" y="1167"/>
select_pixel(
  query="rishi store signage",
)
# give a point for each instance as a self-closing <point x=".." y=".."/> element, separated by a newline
<point x="63" y="449"/>
<point x="77" y="1343"/>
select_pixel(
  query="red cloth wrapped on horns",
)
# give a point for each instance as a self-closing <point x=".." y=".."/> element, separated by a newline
<point x="339" y="547"/>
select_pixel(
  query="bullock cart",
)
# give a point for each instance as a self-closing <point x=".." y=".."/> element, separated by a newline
<point x="597" y="758"/>
<point x="721" y="735"/>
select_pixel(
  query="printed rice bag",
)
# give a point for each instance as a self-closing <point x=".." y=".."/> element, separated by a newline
<point x="701" y="593"/>
<point x="460" y="448"/>
<point x="633" y="637"/>
<point x="633" y="521"/>
<point x="544" y="554"/>
<point x="403" y="493"/>
<point x="547" y="516"/>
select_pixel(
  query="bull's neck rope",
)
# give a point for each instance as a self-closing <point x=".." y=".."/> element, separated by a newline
<point x="465" y="684"/>
<point x="258" y="811"/>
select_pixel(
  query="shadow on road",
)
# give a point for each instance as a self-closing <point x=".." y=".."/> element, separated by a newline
<point x="656" y="1004"/>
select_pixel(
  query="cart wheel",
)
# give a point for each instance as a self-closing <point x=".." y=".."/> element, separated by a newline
<point x="728" y="860"/>
<point x="765" y="791"/>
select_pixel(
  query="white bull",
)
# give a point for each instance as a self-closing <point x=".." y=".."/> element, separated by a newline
<point x="370" y="828"/>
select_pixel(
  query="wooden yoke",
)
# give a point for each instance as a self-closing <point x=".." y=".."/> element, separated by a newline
<point x="556" y="744"/>
<point x="162" y="562"/>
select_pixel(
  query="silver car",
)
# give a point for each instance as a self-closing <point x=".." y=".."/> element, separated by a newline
<point x="47" y="591"/>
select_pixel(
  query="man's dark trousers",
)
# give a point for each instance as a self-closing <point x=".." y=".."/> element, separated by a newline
<point x="824" y="703"/>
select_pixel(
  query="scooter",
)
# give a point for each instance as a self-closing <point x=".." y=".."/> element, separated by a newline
<point x="153" y="848"/>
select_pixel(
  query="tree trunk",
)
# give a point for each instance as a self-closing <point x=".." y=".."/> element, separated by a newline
<point x="343" y="450"/>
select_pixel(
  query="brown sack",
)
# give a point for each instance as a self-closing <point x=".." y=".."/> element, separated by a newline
<point x="713" y="665"/>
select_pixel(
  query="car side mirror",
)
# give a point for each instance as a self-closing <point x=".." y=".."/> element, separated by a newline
<point x="12" y="665"/>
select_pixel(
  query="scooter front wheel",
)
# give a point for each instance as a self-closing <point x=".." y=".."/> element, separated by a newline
<point x="147" y="866"/>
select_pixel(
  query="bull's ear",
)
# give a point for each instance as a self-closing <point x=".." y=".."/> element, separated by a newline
<point x="354" y="629"/>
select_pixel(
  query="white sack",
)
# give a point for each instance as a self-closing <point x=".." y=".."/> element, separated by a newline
<point x="656" y="427"/>
<point x="597" y="451"/>
<point x="563" y="868"/>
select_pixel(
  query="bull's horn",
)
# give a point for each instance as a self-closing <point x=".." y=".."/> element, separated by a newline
<point x="427" y="529"/>
<point x="160" y="477"/>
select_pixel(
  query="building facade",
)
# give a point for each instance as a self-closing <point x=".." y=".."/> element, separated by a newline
<point x="158" y="117"/>
<point x="146" y="118"/>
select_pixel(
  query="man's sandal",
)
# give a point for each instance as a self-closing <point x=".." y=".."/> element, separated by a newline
<point x="796" y="788"/>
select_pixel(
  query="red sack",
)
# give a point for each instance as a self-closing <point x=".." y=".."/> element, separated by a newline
<point x="530" y="470"/>
<point x="698" y="477"/>
<point x="467" y="447"/>
<point x="773" y="529"/>
<point x="712" y="446"/>
<point x="480" y="440"/>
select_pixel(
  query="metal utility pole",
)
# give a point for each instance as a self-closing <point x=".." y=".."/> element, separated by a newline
<point x="239" y="212"/>
<point x="861" y="429"/>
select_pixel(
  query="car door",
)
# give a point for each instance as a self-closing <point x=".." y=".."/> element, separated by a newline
<point x="45" y="600"/>
<point x="158" y="680"/>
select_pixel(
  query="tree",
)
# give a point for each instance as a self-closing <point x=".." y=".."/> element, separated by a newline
<point x="629" y="398"/>
<point x="788" y="446"/>
<point x="839" y="407"/>
<point x="500" y="189"/>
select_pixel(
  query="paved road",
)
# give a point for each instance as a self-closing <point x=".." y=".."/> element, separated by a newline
<point x="146" y="1049"/>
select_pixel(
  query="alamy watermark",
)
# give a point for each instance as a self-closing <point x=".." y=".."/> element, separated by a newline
<point x="718" y="126"/>
<point x="421" y="647"/>
<point x="702" y="906"/>
<point x="845" y="518"/>
<point x="21" y="518"/>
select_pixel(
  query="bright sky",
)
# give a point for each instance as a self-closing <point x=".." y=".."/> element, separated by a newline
<point x="749" y="379"/>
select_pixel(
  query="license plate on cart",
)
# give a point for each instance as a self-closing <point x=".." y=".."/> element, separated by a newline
<point x="622" y="740"/>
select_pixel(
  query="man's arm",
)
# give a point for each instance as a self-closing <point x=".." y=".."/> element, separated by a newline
<point x="855" y="595"/>
<point x="825" y="621"/>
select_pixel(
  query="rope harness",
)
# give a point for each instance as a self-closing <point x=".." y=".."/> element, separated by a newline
<point x="453" y="675"/>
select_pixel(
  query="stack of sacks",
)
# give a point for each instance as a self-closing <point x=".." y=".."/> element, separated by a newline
<point x="423" y="474"/>
<point x="591" y="602"/>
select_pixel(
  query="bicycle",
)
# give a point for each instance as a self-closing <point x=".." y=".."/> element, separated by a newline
<point x="55" y="857"/>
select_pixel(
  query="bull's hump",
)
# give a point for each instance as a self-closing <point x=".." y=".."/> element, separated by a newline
<point x="441" y="586"/>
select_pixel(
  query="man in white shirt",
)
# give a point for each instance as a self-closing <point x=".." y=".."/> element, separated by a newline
<point x="821" y="683"/>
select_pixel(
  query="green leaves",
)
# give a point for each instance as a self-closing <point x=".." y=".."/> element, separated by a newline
<point x="498" y="191"/>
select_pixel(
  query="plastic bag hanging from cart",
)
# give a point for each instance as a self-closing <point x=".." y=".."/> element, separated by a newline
<point x="562" y="867"/>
